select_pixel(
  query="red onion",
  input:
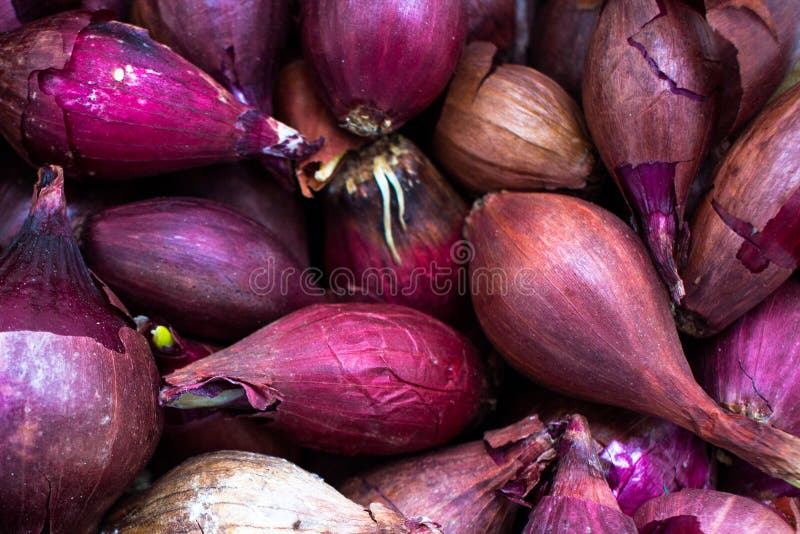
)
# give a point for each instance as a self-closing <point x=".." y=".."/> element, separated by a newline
<point x="707" y="512"/>
<point x="237" y="42"/>
<point x="580" y="499"/>
<point x="750" y="369"/>
<point x="79" y="399"/>
<point x="504" y="23"/>
<point x="346" y="378"/>
<point x="381" y="63"/>
<point x="761" y="37"/>
<point x="393" y="231"/>
<point x="208" y="270"/>
<point x="105" y="100"/>
<point x="560" y="40"/>
<point x="643" y="457"/>
<point x="576" y="306"/>
<point x="745" y="234"/>
<point x="648" y="91"/>
<point x="298" y="104"/>
<point x="467" y="488"/>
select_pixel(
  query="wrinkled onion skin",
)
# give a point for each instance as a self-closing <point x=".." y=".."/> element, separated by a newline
<point x="351" y="378"/>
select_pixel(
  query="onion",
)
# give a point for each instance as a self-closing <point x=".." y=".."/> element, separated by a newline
<point x="467" y="488"/>
<point x="708" y="512"/>
<point x="15" y="13"/>
<point x="381" y="63"/>
<point x="105" y="100"/>
<point x="298" y="104"/>
<point x="648" y="91"/>
<point x="750" y="369"/>
<point x="208" y="270"/>
<point x="238" y="43"/>
<point x="236" y="492"/>
<point x="504" y="23"/>
<point x="642" y="457"/>
<point x="345" y="378"/>
<point x="579" y="499"/>
<point x="760" y="37"/>
<point x="560" y="39"/>
<point x="582" y="312"/>
<point x="393" y="231"/>
<point x="745" y="234"/>
<point x="510" y="127"/>
<point x="79" y="403"/>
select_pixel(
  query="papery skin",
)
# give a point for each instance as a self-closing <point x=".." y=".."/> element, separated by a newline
<point x="579" y="499"/>
<point x="346" y="378"/>
<point x="593" y="333"/>
<point x="716" y="512"/>
<point x="649" y="92"/>
<point x="752" y="368"/>
<point x="431" y="273"/>
<point x="237" y="42"/>
<point x="762" y="35"/>
<point x="79" y="400"/>
<point x="208" y="270"/>
<point x="106" y="101"/>
<point x="474" y="487"/>
<point x="510" y="127"/>
<point x="643" y="457"/>
<point x="746" y="232"/>
<point x="299" y="104"/>
<point x="560" y="39"/>
<point x="381" y="63"/>
<point x="233" y="491"/>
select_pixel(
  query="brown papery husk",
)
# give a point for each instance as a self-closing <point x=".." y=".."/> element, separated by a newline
<point x="580" y="498"/>
<point x="561" y="35"/>
<point x="715" y="512"/>
<point x="474" y="487"/>
<point x="510" y="127"/>
<point x="231" y="491"/>
<point x="762" y="36"/>
<point x="583" y="312"/>
<point x="299" y="104"/>
<point x="744" y="234"/>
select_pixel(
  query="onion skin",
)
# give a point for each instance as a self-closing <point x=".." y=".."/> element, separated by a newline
<point x="472" y="487"/>
<point x="298" y="104"/>
<point x="345" y="378"/>
<point x="429" y="275"/>
<point x="510" y="127"/>
<point x="205" y="268"/>
<point x="105" y="100"/>
<point x="628" y="353"/>
<point x="649" y="92"/>
<point x="714" y="512"/>
<point x="560" y="38"/>
<point x="745" y="236"/>
<point x="233" y="491"/>
<point x="381" y="63"/>
<point x="642" y="457"/>
<point x="238" y="43"/>
<point x="580" y="499"/>
<point x="74" y="437"/>
<point x="762" y="35"/>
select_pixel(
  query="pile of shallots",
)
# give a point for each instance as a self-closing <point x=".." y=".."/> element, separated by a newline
<point x="400" y="266"/>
